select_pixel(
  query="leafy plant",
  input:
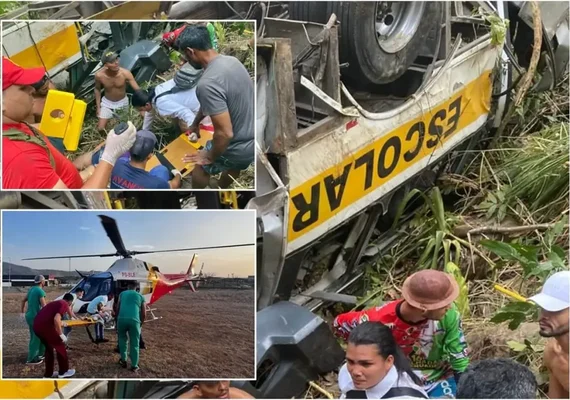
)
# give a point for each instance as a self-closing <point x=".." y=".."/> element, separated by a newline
<point x="528" y="257"/>
<point x="499" y="28"/>
<point x="462" y="301"/>
<point x="516" y="312"/>
<point x="495" y="204"/>
<point x="538" y="173"/>
<point x="438" y="233"/>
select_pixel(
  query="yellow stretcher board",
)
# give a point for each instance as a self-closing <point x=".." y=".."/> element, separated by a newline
<point x="63" y="117"/>
<point x="78" y="322"/>
<point x="176" y="150"/>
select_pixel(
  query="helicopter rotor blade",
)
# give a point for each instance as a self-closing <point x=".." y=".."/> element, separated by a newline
<point x="192" y="248"/>
<point x="110" y="226"/>
<point x="76" y="256"/>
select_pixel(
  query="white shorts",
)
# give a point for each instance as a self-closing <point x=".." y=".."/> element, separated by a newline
<point x="108" y="106"/>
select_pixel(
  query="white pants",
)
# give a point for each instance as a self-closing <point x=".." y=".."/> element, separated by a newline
<point x="108" y="106"/>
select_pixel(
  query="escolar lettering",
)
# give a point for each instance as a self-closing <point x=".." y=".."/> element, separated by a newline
<point x="388" y="157"/>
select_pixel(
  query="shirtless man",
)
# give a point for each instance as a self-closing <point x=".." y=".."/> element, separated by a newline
<point x="214" y="390"/>
<point x="113" y="79"/>
<point x="554" y="303"/>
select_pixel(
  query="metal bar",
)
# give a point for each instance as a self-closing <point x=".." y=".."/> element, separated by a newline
<point x="34" y="199"/>
<point x="335" y="297"/>
<point x="71" y="6"/>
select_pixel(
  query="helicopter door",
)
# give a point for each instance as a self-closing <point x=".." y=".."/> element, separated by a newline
<point x="96" y="286"/>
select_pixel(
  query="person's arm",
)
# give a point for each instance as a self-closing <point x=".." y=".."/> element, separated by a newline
<point x="143" y="312"/>
<point x="24" y="302"/>
<point x="212" y="98"/>
<point x="454" y="343"/>
<point x="131" y="80"/>
<point x="115" y="146"/>
<point x="84" y="160"/>
<point x="197" y="119"/>
<point x="43" y="301"/>
<point x="118" y="308"/>
<point x="98" y="87"/>
<point x="223" y="133"/>
<point x="344" y="323"/>
<point x="555" y="388"/>
<point x="57" y="324"/>
<point x="148" y="119"/>
<point x="175" y="182"/>
<point x="30" y="170"/>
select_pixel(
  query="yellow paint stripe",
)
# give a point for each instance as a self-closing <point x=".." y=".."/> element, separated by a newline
<point x="474" y="100"/>
<point x="52" y="50"/>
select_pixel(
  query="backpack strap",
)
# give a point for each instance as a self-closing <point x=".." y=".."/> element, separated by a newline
<point x="35" y="138"/>
<point x="174" y="90"/>
<point x="404" y="391"/>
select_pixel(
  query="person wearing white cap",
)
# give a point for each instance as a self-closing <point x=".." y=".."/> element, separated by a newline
<point x="554" y="303"/>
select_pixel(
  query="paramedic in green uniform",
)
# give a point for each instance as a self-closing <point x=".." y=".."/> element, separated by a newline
<point x="36" y="299"/>
<point x="131" y="314"/>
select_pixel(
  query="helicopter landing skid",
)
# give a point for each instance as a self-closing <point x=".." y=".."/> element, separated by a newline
<point x="151" y="311"/>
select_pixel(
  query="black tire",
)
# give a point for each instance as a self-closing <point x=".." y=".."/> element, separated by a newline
<point x="368" y="63"/>
<point x="308" y="11"/>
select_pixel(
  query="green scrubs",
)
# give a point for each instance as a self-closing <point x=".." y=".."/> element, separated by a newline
<point x="35" y="347"/>
<point x="129" y="322"/>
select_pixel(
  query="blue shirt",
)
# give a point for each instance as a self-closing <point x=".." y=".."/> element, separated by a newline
<point x="125" y="176"/>
<point x="92" y="307"/>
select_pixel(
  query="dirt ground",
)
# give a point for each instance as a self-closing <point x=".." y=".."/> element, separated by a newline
<point x="206" y="334"/>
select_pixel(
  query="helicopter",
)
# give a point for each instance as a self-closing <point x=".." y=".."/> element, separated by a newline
<point x="152" y="284"/>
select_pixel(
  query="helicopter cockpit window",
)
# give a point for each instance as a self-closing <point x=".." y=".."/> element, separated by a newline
<point x="96" y="287"/>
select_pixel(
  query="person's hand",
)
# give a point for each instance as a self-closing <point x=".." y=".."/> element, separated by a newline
<point x="193" y="137"/>
<point x="117" y="145"/>
<point x="202" y="157"/>
<point x="98" y="111"/>
<point x="98" y="147"/>
<point x="23" y="316"/>
<point x="63" y="338"/>
<point x="193" y="133"/>
<point x="175" y="172"/>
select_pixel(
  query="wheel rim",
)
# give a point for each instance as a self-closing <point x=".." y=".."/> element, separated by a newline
<point x="396" y="23"/>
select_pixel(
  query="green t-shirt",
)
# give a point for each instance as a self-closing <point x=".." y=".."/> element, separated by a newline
<point x="213" y="38"/>
<point x="34" y="296"/>
<point x="130" y="302"/>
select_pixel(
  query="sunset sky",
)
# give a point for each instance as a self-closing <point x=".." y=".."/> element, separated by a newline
<point x="28" y="234"/>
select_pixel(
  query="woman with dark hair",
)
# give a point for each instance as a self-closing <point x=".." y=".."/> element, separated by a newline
<point x="376" y="368"/>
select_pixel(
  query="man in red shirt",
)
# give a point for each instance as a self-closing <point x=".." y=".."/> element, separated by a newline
<point x="34" y="163"/>
<point x="47" y="327"/>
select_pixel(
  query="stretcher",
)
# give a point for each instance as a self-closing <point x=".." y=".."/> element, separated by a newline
<point x="84" y="321"/>
<point x="78" y="322"/>
<point x="171" y="155"/>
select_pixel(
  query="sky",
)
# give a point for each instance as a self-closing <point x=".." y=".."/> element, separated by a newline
<point x="28" y="234"/>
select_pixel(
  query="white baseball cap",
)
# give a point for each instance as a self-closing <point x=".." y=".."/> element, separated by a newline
<point x="555" y="294"/>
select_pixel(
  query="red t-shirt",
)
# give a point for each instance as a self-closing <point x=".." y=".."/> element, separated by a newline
<point x="27" y="165"/>
<point x="405" y="334"/>
<point x="47" y="314"/>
